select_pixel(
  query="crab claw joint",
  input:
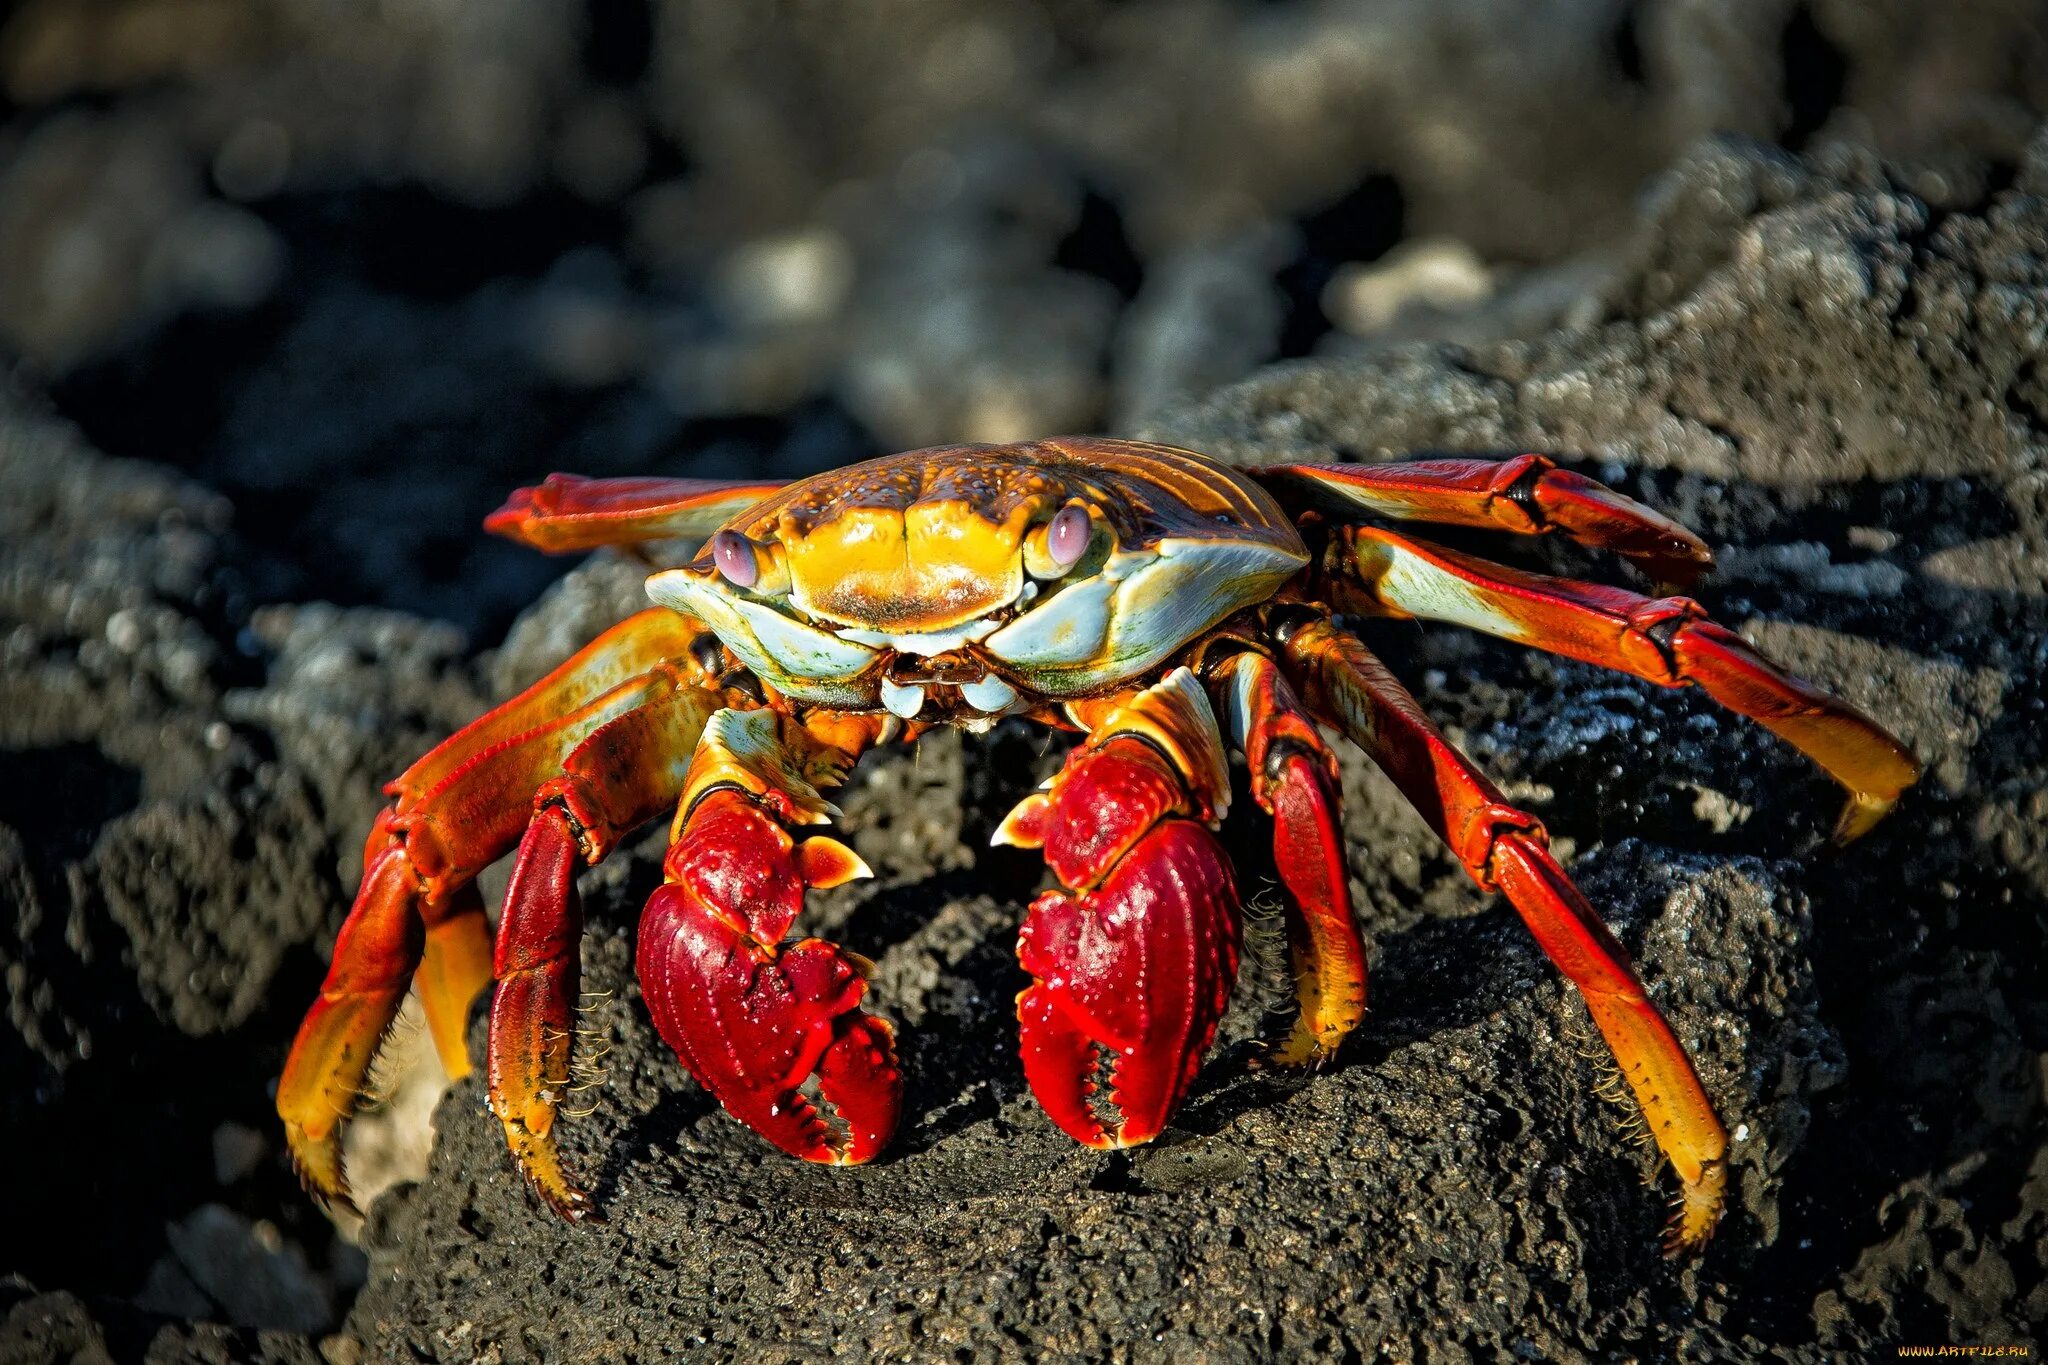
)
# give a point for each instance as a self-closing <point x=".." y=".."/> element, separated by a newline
<point x="753" y="1019"/>
<point x="1132" y="973"/>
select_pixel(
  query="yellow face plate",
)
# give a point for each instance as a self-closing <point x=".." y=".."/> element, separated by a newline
<point x="932" y="565"/>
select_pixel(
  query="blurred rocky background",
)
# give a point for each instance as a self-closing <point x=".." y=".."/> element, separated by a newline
<point x="292" y="291"/>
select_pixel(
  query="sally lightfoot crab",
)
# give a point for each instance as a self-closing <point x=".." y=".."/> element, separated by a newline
<point x="1170" y="609"/>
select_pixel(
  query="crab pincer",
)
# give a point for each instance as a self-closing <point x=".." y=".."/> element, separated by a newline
<point x="752" y="1017"/>
<point x="1133" y="962"/>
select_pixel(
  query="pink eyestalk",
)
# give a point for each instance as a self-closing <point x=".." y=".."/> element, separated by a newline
<point x="1066" y="540"/>
<point x="734" y="556"/>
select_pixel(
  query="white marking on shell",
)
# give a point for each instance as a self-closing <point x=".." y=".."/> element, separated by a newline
<point x="1141" y="608"/>
<point x="989" y="695"/>
<point x="901" y="700"/>
<point x="1071" y="626"/>
<point x="925" y="645"/>
<point x="1236" y="719"/>
<point x="802" y="651"/>
<point x="781" y="649"/>
<point x="1423" y="589"/>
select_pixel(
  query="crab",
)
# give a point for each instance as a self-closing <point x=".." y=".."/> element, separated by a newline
<point x="1170" y="609"/>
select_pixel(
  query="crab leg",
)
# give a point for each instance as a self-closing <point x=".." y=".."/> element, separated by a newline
<point x="1133" y="959"/>
<point x="1294" y="779"/>
<point x="1528" y="495"/>
<point x="752" y="1017"/>
<point x="1505" y="849"/>
<point x="626" y="772"/>
<point x="566" y="512"/>
<point x="375" y="954"/>
<point x="455" y="966"/>
<point x="456" y="810"/>
<point x="1668" y="641"/>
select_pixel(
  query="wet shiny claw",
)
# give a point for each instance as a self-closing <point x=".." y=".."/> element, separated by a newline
<point x="1131" y="981"/>
<point x="756" y="1019"/>
<point x="753" y="1024"/>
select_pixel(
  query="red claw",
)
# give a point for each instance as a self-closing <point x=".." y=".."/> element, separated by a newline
<point x="1132" y="976"/>
<point x="753" y="1019"/>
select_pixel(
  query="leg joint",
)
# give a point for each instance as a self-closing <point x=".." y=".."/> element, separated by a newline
<point x="1649" y="643"/>
<point x="1516" y="484"/>
<point x="588" y="821"/>
<point x="1485" y="828"/>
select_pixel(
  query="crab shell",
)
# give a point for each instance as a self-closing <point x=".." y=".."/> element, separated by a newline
<point x="920" y="583"/>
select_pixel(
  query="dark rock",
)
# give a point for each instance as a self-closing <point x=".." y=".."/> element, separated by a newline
<point x="183" y="785"/>
<point x="52" y="1327"/>
<point x="245" y="1268"/>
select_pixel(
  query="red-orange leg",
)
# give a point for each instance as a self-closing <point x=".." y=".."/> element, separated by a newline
<point x="416" y="915"/>
<point x="1528" y="495"/>
<point x="1294" y="779"/>
<point x="566" y="512"/>
<point x="623" y="774"/>
<point x="328" y="1068"/>
<point x="752" y="1017"/>
<point x="1505" y="849"/>
<point x="1667" y="640"/>
<point x="1133" y="959"/>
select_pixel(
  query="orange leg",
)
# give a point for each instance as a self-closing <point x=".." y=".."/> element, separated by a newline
<point x="1294" y="779"/>
<point x="455" y="964"/>
<point x="1132" y="961"/>
<point x="417" y="912"/>
<point x="1666" y="640"/>
<point x="566" y="512"/>
<point x="1504" y="849"/>
<point x="1528" y="495"/>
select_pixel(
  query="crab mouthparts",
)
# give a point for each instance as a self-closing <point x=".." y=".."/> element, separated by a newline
<point x="985" y="692"/>
<point x="922" y="659"/>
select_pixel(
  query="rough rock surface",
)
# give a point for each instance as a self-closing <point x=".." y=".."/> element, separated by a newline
<point x="181" y="796"/>
<point x="334" y="275"/>
<point x="1838" y="379"/>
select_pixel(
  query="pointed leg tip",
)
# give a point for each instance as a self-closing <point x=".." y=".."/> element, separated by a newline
<point x="1098" y="1139"/>
<point x="1698" y="1211"/>
<point x="534" y="1153"/>
<point x="563" y="1197"/>
<point x="1859" y="816"/>
<point x="1676" y="569"/>
<point x="565" y="1200"/>
<point x="826" y="1156"/>
<point x="1307" y="1047"/>
<point x="318" y="1165"/>
<point x="1024" y="826"/>
<point x="852" y="1154"/>
<point x="824" y="862"/>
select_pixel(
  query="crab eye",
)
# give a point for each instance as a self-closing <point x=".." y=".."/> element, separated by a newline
<point x="734" y="556"/>
<point x="1066" y="540"/>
